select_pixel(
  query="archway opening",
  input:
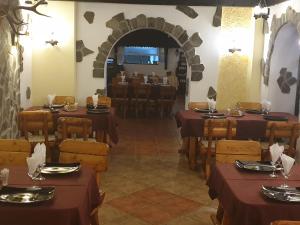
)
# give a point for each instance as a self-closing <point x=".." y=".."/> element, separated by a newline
<point x="284" y="70"/>
<point x="146" y="52"/>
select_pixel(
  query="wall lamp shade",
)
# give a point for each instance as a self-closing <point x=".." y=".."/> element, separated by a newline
<point x="52" y="42"/>
<point x="261" y="10"/>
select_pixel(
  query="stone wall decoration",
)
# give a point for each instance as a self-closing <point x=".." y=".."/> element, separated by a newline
<point x="291" y="16"/>
<point x="217" y="17"/>
<point x="81" y="51"/>
<point x="285" y="81"/>
<point x="187" y="10"/>
<point x="89" y="16"/>
<point x="28" y="93"/>
<point x="9" y="83"/>
<point x="121" y="26"/>
<point x="212" y="93"/>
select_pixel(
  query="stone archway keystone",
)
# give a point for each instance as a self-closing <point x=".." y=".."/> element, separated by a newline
<point x="121" y="26"/>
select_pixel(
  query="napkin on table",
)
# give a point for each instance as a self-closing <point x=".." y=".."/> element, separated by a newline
<point x="287" y="163"/>
<point x="37" y="158"/>
<point x="211" y="103"/>
<point x="266" y="105"/>
<point x="50" y="99"/>
<point x="95" y="100"/>
<point x="276" y="151"/>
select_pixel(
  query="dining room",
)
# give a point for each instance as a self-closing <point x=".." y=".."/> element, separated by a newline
<point x="139" y="112"/>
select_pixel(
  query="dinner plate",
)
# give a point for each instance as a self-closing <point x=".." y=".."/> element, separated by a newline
<point x="275" y="118"/>
<point x="214" y="116"/>
<point x="253" y="111"/>
<point x="20" y="195"/>
<point x="59" y="168"/>
<point x="255" y="166"/>
<point x="55" y="106"/>
<point x="98" y="111"/>
<point x="203" y="110"/>
<point x="281" y="194"/>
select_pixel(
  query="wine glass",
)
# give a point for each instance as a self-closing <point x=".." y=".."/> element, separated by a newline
<point x="274" y="164"/>
<point x="285" y="174"/>
<point x="37" y="175"/>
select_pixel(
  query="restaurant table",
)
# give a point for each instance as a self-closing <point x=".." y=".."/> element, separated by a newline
<point x="76" y="195"/>
<point x="193" y="125"/>
<point x="104" y="122"/>
<point x="238" y="192"/>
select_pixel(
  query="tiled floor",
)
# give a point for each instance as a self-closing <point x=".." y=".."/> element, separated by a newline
<point x="148" y="182"/>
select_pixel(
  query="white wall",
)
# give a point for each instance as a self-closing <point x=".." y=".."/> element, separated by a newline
<point x="94" y="34"/>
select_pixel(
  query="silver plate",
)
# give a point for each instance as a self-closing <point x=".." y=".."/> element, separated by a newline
<point x="27" y="195"/>
<point x="281" y="194"/>
<point x="59" y="169"/>
<point x="255" y="166"/>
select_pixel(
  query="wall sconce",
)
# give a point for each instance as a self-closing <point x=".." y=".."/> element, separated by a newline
<point x="261" y="10"/>
<point x="233" y="50"/>
<point x="52" y="42"/>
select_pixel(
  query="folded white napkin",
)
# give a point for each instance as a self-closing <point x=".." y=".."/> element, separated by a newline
<point x="123" y="78"/>
<point x="145" y="79"/>
<point x="165" y="80"/>
<point x="153" y="73"/>
<point x="287" y="163"/>
<point x="266" y="105"/>
<point x="122" y="73"/>
<point x="211" y="103"/>
<point x="37" y="158"/>
<point x="135" y="73"/>
<point x="95" y="100"/>
<point x="276" y="151"/>
<point x="50" y="99"/>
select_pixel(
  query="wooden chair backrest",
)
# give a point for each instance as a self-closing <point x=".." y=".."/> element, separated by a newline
<point x="198" y="105"/>
<point x="249" y="105"/>
<point x="219" y="128"/>
<point x="167" y="92"/>
<point x="290" y="131"/>
<point x="102" y="100"/>
<point x="119" y="91"/>
<point x="141" y="91"/>
<point x="116" y="80"/>
<point x="88" y="153"/>
<point x="285" y="222"/>
<point x="59" y="100"/>
<point x="227" y="151"/>
<point x="14" y="151"/>
<point x="75" y="127"/>
<point x="35" y="122"/>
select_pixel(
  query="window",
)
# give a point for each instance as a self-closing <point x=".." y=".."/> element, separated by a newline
<point x="141" y="55"/>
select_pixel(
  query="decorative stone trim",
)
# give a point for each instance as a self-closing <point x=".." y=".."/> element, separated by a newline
<point x="121" y="26"/>
<point x="291" y="16"/>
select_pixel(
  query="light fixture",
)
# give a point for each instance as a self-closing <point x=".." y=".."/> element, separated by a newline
<point x="261" y="10"/>
<point x="233" y="50"/>
<point x="52" y="41"/>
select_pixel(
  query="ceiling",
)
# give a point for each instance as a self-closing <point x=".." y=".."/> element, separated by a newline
<point x="249" y="3"/>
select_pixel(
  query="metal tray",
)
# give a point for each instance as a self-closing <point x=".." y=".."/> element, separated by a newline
<point x="18" y="195"/>
<point x="253" y="111"/>
<point x="275" y="118"/>
<point x="281" y="194"/>
<point x="255" y="166"/>
<point x="203" y="110"/>
<point x="60" y="168"/>
<point x="214" y="116"/>
<point x="54" y="106"/>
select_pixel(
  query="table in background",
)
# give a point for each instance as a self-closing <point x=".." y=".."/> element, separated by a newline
<point x="76" y="195"/>
<point x="239" y="193"/>
<point x="104" y="122"/>
<point x="193" y="127"/>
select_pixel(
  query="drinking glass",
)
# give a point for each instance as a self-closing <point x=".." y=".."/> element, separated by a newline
<point x="286" y="176"/>
<point x="37" y="173"/>
<point x="275" y="164"/>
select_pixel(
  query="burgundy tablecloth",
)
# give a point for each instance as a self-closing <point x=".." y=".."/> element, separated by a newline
<point x="76" y="196"/>
<point x="101" y="122"/>
<point x="239" y="193"/>
<point x="250" y="129"/>
<point x="191" y="122"/>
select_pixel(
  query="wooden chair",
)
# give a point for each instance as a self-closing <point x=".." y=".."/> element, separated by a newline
<point x="64" y="100"/>
<point x="167" y="96"/>
<point x="102" y="100"/>
<point x="285" y="222"/>
<point x="141" y="94"/>
<point x="120" y="98"/>
<point x="88" y="153"/>
<point x="14" y="152"/>
<point x="216" y="129"/>
<point x="37" y="127"/>
<point x="73" y="127"/>
<point x="249" y="105"/>
<point x="198" y="105"/>
<point x="285" y="134"/>
<point x="227" y="151"/>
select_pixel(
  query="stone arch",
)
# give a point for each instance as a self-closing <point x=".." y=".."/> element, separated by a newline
<point x="290" y="16"/>
<point x="121" y="26"/>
